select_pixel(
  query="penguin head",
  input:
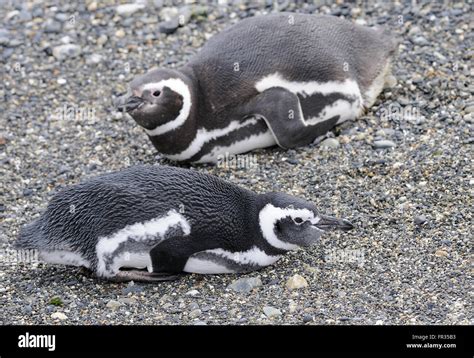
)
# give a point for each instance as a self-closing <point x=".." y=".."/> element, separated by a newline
<point x="288" y="222"/>
<point x="159" y="100"/>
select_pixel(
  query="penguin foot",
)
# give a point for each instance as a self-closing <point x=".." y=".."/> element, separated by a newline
<point x="143" y="276"/>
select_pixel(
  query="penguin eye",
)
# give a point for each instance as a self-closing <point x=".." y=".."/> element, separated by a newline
<point x="156" y="93"/>
<point x="298" y="221"/>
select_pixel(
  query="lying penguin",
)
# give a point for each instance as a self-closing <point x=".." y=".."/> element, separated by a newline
<point x="284" y="79"/>
<point x="149" y="223"/>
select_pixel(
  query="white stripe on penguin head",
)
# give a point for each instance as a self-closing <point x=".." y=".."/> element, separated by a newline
<point x="270" y="215"/>
<point x="178" y="86"/>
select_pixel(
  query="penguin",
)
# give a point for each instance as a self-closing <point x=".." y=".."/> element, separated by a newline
<point x="156" y="223"/>
<point x="281" y="79"/>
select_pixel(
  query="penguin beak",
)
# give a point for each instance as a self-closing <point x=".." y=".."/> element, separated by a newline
<point x="128" y="104"/>
<point x="326" y="223"/>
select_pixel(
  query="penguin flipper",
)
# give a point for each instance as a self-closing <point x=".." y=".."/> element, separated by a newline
<point x="143" y="276"/>
<point x="171" y="255"/>
<point x="281" y="110"/>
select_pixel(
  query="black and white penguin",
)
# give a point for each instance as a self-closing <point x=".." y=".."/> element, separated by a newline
<point x="284" y="79"/>
<point x="168" y="221"/>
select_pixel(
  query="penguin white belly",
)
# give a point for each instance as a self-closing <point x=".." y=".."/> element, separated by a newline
<point x="218" y="261"/>
<point x="130" y="246"/>
<point x="63" y="257"/>
<point x="204" y="136"/>
<point x="348" y="106"/>
<point x="261" y="140"/>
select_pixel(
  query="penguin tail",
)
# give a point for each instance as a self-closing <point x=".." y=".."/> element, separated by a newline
<point x="391" y="42"/>
<point x="30" y="237"/>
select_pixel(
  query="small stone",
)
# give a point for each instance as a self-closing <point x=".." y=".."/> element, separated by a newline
<point x="112" y="304"/>
<point x="62" y="81"/>
<point x="271" y="312"/>
<point x="296" y="282"/>
<point x="132" y="288"/>
<point x="420" y="41"/>
<point x="379" y="322"/>
<point x="192" y="293"/>
<point x="59" y="315"/>
<point x="92" y="6"/>
<point x="51" y="26"/>
<point x="469" y="109"/>
<point x="128" y="300"/>
<point x="420" y="220"/>
<point x="28" y="192"/>
<point x="120" y="33"/>
<point x="102" y="39"/>
<point x="4" y="37"/>
<point x="390" y="81"/>
<point x="331" y="143"/>
<point x="184" y="15"/>
<point x="384" y="144"/>
<point x="292" y="307"/>
<point x="195" y="313"/>
<point x="385" y="132"/>
<point x="200" y="323"/>
<point x="128" y="9"/>
<point x="94" y="59"/>
<point x="66" y="51"/>
<point x="307" y="318"/>
<point x="245" y="284"/>
<point x="168" y="27"/>
<point x="193" y="306"/>
<point x="169" y="13"/>
<point x="441" y="253"/>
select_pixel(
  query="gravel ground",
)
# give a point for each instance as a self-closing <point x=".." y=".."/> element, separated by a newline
<point x="402" y="173"/>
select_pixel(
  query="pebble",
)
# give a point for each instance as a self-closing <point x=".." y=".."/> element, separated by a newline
<point x="385" y="132"/>
<point x="120" y="33"/>
<point x="52" y="26"/>
<point x="192" y="293"/>
<point x="132" y="288"/>
<point x="469" y="109"/>
<point x="331" y="143"/>
<point x="94" y="59"/>
<point x="195" y="313"/>
<point x="383" y="144"/>
<point x="245" y="284"/>
<point x="296" y="282"/>
<point x="271" y="312"/>
<point x="128" y="9"/>
<point x="307" y="318"/>
<point x="63" y="52"/>
<point x="128" y="300"/>
<point x="113" y="304"/>
<point x="59" y="315"/>
<point x="441" y="253"/>
<point x="390" y="81"/>
<point x="420" y="220"/>
<point x="4" y="37"/>
<point x="420" y="40"/>
<point x="169" y="27"/>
